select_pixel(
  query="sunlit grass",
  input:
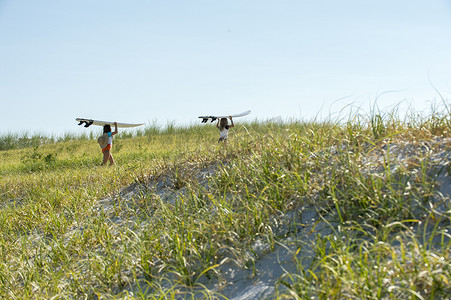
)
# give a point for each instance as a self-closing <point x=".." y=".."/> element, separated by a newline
<point x="178" y="206"/>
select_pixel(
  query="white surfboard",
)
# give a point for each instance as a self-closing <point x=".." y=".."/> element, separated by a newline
<point x="89" y="122"/>
<point x="213" y="118"/>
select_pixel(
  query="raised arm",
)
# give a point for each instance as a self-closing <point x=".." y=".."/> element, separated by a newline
<point x="115" y="129"/>
<point x="231" y="125"/>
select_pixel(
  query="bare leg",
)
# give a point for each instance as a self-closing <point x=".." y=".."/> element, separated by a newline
<point x="106" y="156"/>
<point x="111" y="159"/>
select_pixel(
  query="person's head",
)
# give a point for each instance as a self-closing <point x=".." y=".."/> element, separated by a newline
<point x="106" y="128"/>
<point x="223" y="123"/>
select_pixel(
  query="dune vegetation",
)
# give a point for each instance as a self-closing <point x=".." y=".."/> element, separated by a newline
<point x="354" y="209"/>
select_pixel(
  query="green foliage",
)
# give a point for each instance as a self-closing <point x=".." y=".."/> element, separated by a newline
<point x="178" y="207"/>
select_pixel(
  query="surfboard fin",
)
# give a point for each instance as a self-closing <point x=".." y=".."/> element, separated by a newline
<point x="204" y="120"/>
<point x="86" y="122"/>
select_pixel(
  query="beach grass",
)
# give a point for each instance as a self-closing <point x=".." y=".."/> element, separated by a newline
<point x="360" y="205"/>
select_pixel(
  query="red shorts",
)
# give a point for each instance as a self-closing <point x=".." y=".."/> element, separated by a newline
<point x="108" y="147"/>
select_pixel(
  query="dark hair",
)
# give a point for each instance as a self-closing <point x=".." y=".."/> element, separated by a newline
<point x="106" y="128"/>
<point x="223" y="123"/>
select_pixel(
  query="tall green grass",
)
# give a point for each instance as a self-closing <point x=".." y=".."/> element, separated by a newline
<point x="179" y="206"/>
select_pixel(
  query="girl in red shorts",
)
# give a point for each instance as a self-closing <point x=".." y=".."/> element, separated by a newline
<point x="107" y="156"/>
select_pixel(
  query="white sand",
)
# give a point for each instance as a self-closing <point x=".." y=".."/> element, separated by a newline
<point x="268" y="267"/>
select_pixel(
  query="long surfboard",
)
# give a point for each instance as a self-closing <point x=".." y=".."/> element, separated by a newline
<point x="89" y="122"/>
<point x="213" y="118"/>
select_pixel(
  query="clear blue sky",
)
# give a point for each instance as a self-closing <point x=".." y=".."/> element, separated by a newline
<point x="171" y="61"/>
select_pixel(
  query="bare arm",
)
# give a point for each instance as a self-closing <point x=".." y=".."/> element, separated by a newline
<point x="217" y="124"/>
<point x="115" y="129"/>
<point x="231" y="125"/>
